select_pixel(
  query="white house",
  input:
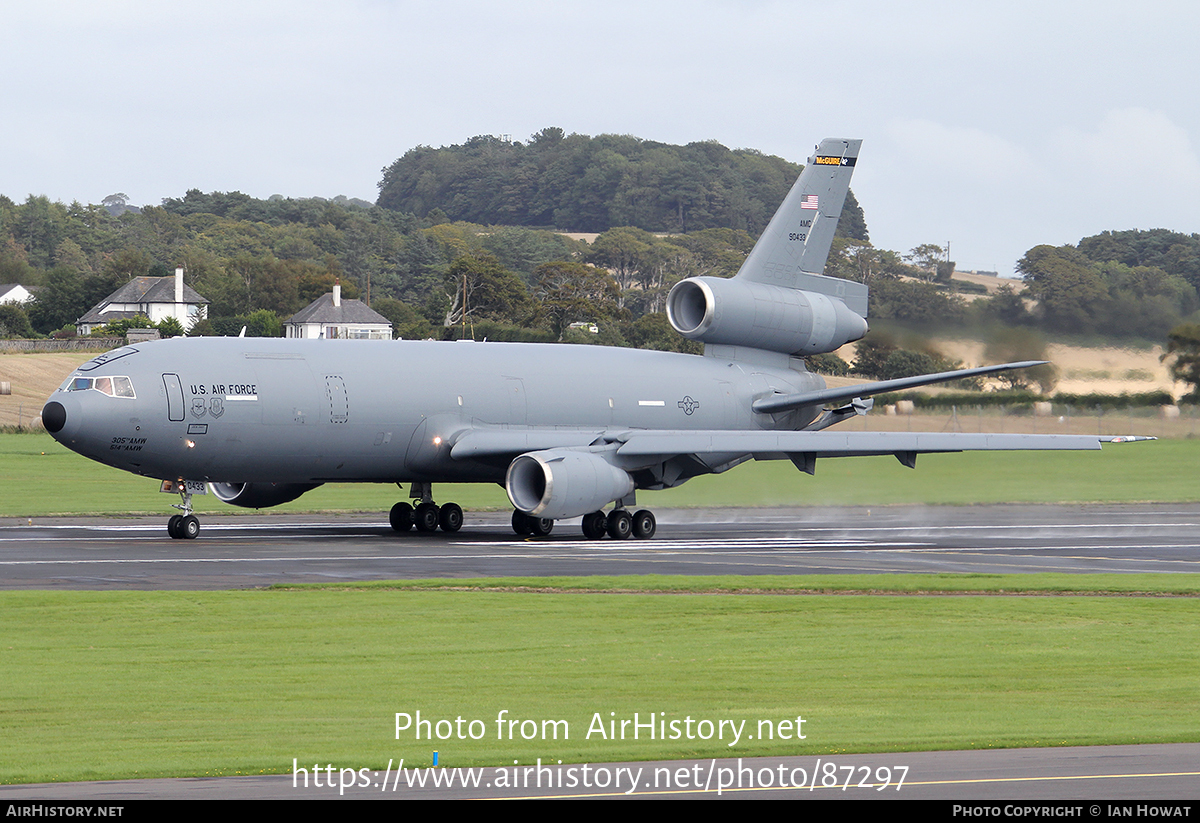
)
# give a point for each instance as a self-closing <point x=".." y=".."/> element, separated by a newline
<point x="14" y="293"/>
<point x="332" y="318"/>
<point x="155" y="297"/>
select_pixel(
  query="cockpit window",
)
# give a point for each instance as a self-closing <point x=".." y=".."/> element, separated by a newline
<point x="117" y="386"/>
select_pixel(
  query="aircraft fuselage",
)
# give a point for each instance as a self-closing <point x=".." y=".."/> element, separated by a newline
<point x="314" y="411"/>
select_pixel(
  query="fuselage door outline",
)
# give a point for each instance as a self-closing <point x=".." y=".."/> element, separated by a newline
<point x="175" y="405"/>
<point x="339" y="401"/>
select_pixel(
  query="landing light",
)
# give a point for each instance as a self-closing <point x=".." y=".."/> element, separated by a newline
<point x="437" y="441"/>
<point x="191" y="444"/>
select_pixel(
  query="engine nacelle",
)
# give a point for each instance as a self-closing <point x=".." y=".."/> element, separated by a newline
<point x="560" y="483"/>
<point x="739" y="312"/>
<point x="259" y="495"/>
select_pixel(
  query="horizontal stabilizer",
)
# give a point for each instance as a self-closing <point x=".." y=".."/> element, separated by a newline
<point x="786" y="402"/>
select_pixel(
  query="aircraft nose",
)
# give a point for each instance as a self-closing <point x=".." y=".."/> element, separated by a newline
<point x="54" y="416"/>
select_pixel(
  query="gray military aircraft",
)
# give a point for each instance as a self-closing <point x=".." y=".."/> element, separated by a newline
<point x="566" y="429"/>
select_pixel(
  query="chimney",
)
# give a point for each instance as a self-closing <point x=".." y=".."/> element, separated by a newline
<point x="178" y="284"/>
<point x="337" y="293"/>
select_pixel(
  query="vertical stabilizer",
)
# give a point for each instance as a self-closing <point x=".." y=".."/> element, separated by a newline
<point x="779" y="301"/>
<point x="796" y="242"/>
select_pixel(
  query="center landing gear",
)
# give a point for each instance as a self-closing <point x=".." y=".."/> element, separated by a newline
<point x="183" y="526"/>
<point x="619" y="524"/>
<point x="427" y="516"/>
<point x="524" y="524"/>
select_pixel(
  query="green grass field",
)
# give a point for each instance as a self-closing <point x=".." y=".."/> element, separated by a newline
<point x="41" y="478"/>
<point x="144" y="684"/>
<point x="100" y="685"/>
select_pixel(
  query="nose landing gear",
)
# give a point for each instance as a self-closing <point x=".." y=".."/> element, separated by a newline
<point x="183" y="526"/>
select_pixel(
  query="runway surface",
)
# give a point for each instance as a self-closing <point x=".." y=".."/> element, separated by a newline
<point x="1083" y="774"/>
<point x="248" y="551"/>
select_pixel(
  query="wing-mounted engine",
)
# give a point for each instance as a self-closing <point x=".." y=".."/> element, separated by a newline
<point x="741" y="312"/>
<point x="259" y="495"/>
<point x="558" y="483"/>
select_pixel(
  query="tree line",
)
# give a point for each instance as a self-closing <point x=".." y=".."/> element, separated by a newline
<point x="435" y="273"/>
<point x="591" y="184"/>
<point x="249" y="255"/>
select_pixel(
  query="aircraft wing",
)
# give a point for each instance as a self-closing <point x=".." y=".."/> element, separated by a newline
<point x="786" y="402"/>
<point x="768" y="444"/>
<point x="641" y="445"/>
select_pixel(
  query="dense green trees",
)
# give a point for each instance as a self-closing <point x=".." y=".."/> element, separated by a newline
<point x="591" y="184"/>
<point x="569" y="292"/>
<point x="14" y="322"/>
<point x="1065" y="284"/>
<point x="480" y="288"/>
<point x="1076" y="293"/>
<point x="1172" y="252"/>
<point x="248" y="255"/>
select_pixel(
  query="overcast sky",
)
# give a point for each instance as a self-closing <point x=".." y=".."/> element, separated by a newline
<point x="994" y="128"/>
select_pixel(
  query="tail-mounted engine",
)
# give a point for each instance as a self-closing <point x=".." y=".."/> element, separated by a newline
<point x="740" y="312"/>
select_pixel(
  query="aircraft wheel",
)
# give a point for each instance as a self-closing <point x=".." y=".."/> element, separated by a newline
<point x="189" y="528"/>
<point x="450" y="517"/>
<point x="620" y="524"/>
<point x="644" y="524"/>
<point x="522" y="523"/>
<point x="595" y="525"/>
<point x="175" y="526"/>
<point x="426" y="517"/>
<point x="401" y="517"/>
<point x="542" y="526"/>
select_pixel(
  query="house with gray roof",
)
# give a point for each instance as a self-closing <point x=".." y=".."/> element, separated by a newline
<point x="330" y="317"/>
<point x="155" y="297"/>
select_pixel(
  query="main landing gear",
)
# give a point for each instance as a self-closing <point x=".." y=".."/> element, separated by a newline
<point x="427" y="516"/>
<point x="618" y="524"/>
<point x="183" y="526"/>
